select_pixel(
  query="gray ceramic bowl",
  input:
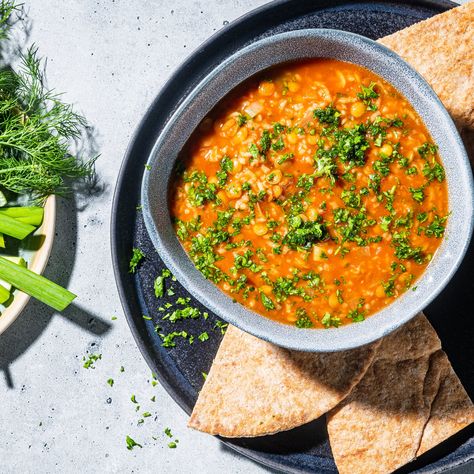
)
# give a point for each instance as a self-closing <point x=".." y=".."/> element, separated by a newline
<point x="254" y="58"/>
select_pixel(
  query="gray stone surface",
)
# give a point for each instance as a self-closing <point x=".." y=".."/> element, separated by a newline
<point x="111" y="57"/>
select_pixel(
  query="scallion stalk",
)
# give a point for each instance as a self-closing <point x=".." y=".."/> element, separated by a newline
<point x="32" y="215"/>
<point x="35" y="285"/>
<point x="4" y="295"/>
<point x="14" y="228"/>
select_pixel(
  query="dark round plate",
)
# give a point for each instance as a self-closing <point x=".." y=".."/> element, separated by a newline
<point x="305" y="449"/>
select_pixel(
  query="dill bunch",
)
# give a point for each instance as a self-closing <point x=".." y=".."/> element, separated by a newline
<point x="36" y="131"/>
<point x="7" y="7"/>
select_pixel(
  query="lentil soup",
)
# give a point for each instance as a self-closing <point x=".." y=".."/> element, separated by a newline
<point x="313" y="194"/>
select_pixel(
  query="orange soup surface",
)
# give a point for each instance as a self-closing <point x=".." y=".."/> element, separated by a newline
<point x="313" y="194"/>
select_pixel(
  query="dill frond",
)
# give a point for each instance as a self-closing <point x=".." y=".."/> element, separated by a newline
<point x="36" y="130"/>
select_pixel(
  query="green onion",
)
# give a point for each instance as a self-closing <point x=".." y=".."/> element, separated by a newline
<point x="18" y="261"/>
<point x="2" y="241"/>
<point x="4" y="295"/>
<point x="35" y="285"/>
<point x="10" y="226"/>
<point x="32" y="215"/>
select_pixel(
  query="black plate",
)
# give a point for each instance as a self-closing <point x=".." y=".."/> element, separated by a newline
<point x="305" y="449"/>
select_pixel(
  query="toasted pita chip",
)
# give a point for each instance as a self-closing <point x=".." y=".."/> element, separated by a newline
<point x="413" y="340"/>
<point x="441" y="49"/>
<point x="451" y="411"/>
<point x="255" y="388"/>
<point x="379" y="426"/>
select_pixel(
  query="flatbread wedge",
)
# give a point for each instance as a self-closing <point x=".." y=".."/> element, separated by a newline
<point x="255" y="388"/>
<point x="451" y="411"/>
<point x="441" y="49"/>
<point x="379" y="426"/>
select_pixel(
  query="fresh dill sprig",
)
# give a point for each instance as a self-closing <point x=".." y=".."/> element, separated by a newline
<point x="7" y="7"/>
<point x="36" y="130"/>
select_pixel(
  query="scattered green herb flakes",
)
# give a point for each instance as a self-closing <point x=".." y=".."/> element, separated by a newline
<point x="168" y="340"/>
<point x="137" y="257"/>
<point x="204" y="375"/>
<point x="110" y="382"/>
<point x="436" y="227"/>
<point x="221" y="325"/>
<point x="133" y="399"/>
<point x="367" y="95"/>
<point x="131" y="443"/>
<point x="304" y="234"/>
<point x="356" y="315"/>
<point x="266" y="301"/>
<point x="90" y="360"/>
<point x="204" y="336"/>
<point x="418" y="194"/>
<point x="330" y="321"/>
<point x="404" y="250"/>
<point x="427" y="150"/>
<point x="328" y="115"/>
<point x="285" y="157"/>
<point x="433" y="172"/>
<point x="242" y="119"/>
<point x="200" y="191"/>
<point x="159" y="283"/>
<point x="172" y="445"/>
<point x="303" y="321"/>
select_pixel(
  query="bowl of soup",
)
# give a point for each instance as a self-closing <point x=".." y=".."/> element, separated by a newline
<point x="312" y="191"/>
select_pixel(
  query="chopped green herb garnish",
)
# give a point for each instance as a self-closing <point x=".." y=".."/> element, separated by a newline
<point x="131" y="443"/>
<point x="303" y="321"/>
<point x="267" y="302"/>
<point x="90" y="360"/>
<point x="137" y="257"/>
<point x="242" y="119"/>
<point x="330" y="321"/>
<point x="329" y="115"/>
<point x="367" y="94"/>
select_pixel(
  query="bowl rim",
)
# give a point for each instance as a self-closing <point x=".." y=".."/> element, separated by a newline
<point x="317" y="340"/>
<point x="37" y="263"/>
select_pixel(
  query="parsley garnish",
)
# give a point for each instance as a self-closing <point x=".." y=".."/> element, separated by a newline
<point x="266" y="301"/>
<point x="418" y="194"/>
<point x="436" y="227"/>
<point x="305" y="234"/>
<point x="242" y="119"/>
<point x="327" y="321"/>
<point x="404" y="251"/>
<point x="137" y="257"/>
<point x="131" y="443"/>
<point x="90" y="360"/>
<point x="367" y="94"/>
<point x="302" y="319"/>
<point x="201" y="191"/>
<point x="329" y="115"/>
<point x="159" y="284"/>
